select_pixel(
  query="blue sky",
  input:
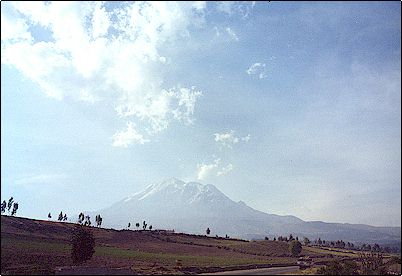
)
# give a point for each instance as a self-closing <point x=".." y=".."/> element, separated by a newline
<point x="293" y="108"/>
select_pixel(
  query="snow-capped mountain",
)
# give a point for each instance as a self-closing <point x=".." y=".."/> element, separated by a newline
<point x="192" y="207"/>
<point x="174" y="189"/>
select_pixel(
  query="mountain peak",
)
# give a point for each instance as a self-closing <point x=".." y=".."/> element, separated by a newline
<point x="188" y="191"/>
<point x="172" y="181"/>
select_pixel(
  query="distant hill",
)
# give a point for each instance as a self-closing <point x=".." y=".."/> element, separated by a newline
<point x="192" y="207"/>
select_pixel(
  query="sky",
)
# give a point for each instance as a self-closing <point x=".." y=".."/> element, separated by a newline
<point x="292" y="107"/>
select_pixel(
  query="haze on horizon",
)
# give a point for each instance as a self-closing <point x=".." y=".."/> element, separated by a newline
<point x="291" y="107"/>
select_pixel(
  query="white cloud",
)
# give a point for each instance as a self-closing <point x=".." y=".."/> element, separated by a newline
<point x="14" y="29"/>
<point x="97" y="54"/>
<point x="242" y="8"/>
<point x="229" y="139"/>
<point x="175" y="103"/>
<point x="100" y="21"/>
<point x="128" y="137"/>
<point x="41" y="179"/>
<point x="257" y="69"/>
<point x="215" y="168"/>
<point x="225" y="170"/>
<point x="226" y="139"/>
<point x="232" y="34"/>
<point x="205" y="170"/>
<point x="246" y="138"/>
<point x="226" y="6"/>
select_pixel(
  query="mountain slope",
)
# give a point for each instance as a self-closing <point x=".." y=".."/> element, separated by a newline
<point x="192" y="207"/>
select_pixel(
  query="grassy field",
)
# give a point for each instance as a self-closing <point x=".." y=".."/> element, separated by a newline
<point x="321" y="250"/>
<point x="167" y="259"/>
<point x="170" y="259"/>
<point x="38" y="247"/>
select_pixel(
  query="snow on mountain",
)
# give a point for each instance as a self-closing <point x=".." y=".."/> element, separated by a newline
<point x="189" y="193"/>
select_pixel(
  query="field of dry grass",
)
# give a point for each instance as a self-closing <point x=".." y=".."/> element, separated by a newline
<point x="335" y="252"/>
<point x="39" y="247"/>
<point x="34" y="246"/>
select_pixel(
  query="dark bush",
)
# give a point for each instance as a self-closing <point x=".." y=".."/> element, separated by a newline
<point x="295" y="248"/>
<point x="83" y="244"/>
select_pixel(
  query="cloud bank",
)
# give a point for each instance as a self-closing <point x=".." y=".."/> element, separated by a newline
<point x="107" y="52"/>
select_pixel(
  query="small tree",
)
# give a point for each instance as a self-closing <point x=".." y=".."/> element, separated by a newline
<point x="60" y="216"/>
<point x="65" y="217"/>
<point x="150" y="228"/>
<point x="3" y="206"/>
<point x="208" y="231"/>
<point x="15" y="208"/>
<point x="49" y="216"/>
<point x="295" y="248"/>
<point x="87" y="221"/>
<point x="266" y="238"/>
<point x="81" y="218"/>
<point x="98" y="220"/>
<point x="137" y="225"/>
<point x="10" y="204"/>
<point x="83" y="244"/>
<point x="306" y="241"/>
<point x="129" y="224"/>
<point x="144" y="225"/>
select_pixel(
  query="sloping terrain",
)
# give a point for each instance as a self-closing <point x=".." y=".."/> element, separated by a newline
<point x="38" y="247"/>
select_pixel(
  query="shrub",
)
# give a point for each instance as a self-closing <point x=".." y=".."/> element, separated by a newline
<point x="338" y="268"/>
<point x="332" y="268"/>
<point x="83" y="244"/>
<point x="295" y="248"/>
<point x="350" y="268"/>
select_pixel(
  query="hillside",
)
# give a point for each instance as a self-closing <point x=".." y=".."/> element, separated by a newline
<point x="36" y="246"/>
<point x="192" y="207"/>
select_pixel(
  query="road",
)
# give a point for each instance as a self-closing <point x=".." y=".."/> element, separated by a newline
<point x="259" y="271"/>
